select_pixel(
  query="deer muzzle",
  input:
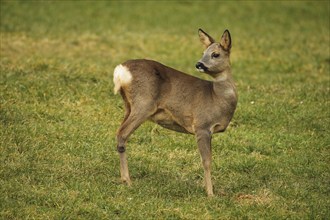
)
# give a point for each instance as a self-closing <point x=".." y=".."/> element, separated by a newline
<point x="201" y="67"/>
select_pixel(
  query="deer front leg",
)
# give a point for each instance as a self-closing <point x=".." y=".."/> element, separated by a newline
<point x="204" y="146"/>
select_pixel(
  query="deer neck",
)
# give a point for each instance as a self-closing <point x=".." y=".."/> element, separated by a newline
<point x="223" y="84"/>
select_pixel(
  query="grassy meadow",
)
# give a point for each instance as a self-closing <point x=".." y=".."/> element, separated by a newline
<point x="58" y="113"/>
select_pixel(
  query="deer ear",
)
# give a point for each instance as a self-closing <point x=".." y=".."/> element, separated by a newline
<point x="225" y="41"/>
<point x="206" y="39"/>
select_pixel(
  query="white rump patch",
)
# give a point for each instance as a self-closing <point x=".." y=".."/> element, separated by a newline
<point x="121" y="76"/>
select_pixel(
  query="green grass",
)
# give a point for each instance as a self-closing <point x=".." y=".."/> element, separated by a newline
<point x="58" y="115"/>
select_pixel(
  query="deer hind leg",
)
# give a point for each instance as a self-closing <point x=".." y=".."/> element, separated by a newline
<point x="121" y="147"/>
<point x="127" y="105"/>
<point x="204" y="146"/>
<point x="133" y="119"/>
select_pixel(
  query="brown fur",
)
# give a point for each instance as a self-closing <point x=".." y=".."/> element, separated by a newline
<point x="181" y="102"/>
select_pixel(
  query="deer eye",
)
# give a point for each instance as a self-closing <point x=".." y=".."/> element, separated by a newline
<point x="215" y="55"/>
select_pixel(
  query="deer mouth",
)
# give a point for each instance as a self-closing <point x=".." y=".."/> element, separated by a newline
<point x="201" y="67"/>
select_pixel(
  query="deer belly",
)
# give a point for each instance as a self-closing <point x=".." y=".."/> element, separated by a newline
<point x="166" y="120"/>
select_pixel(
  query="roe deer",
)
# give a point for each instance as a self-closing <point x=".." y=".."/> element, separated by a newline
<point x="177" y="101"/>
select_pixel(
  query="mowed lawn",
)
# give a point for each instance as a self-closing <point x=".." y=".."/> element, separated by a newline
<point x="58" y="113"/>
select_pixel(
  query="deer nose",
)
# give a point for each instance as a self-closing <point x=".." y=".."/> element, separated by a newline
<point x="200" y="66"/>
